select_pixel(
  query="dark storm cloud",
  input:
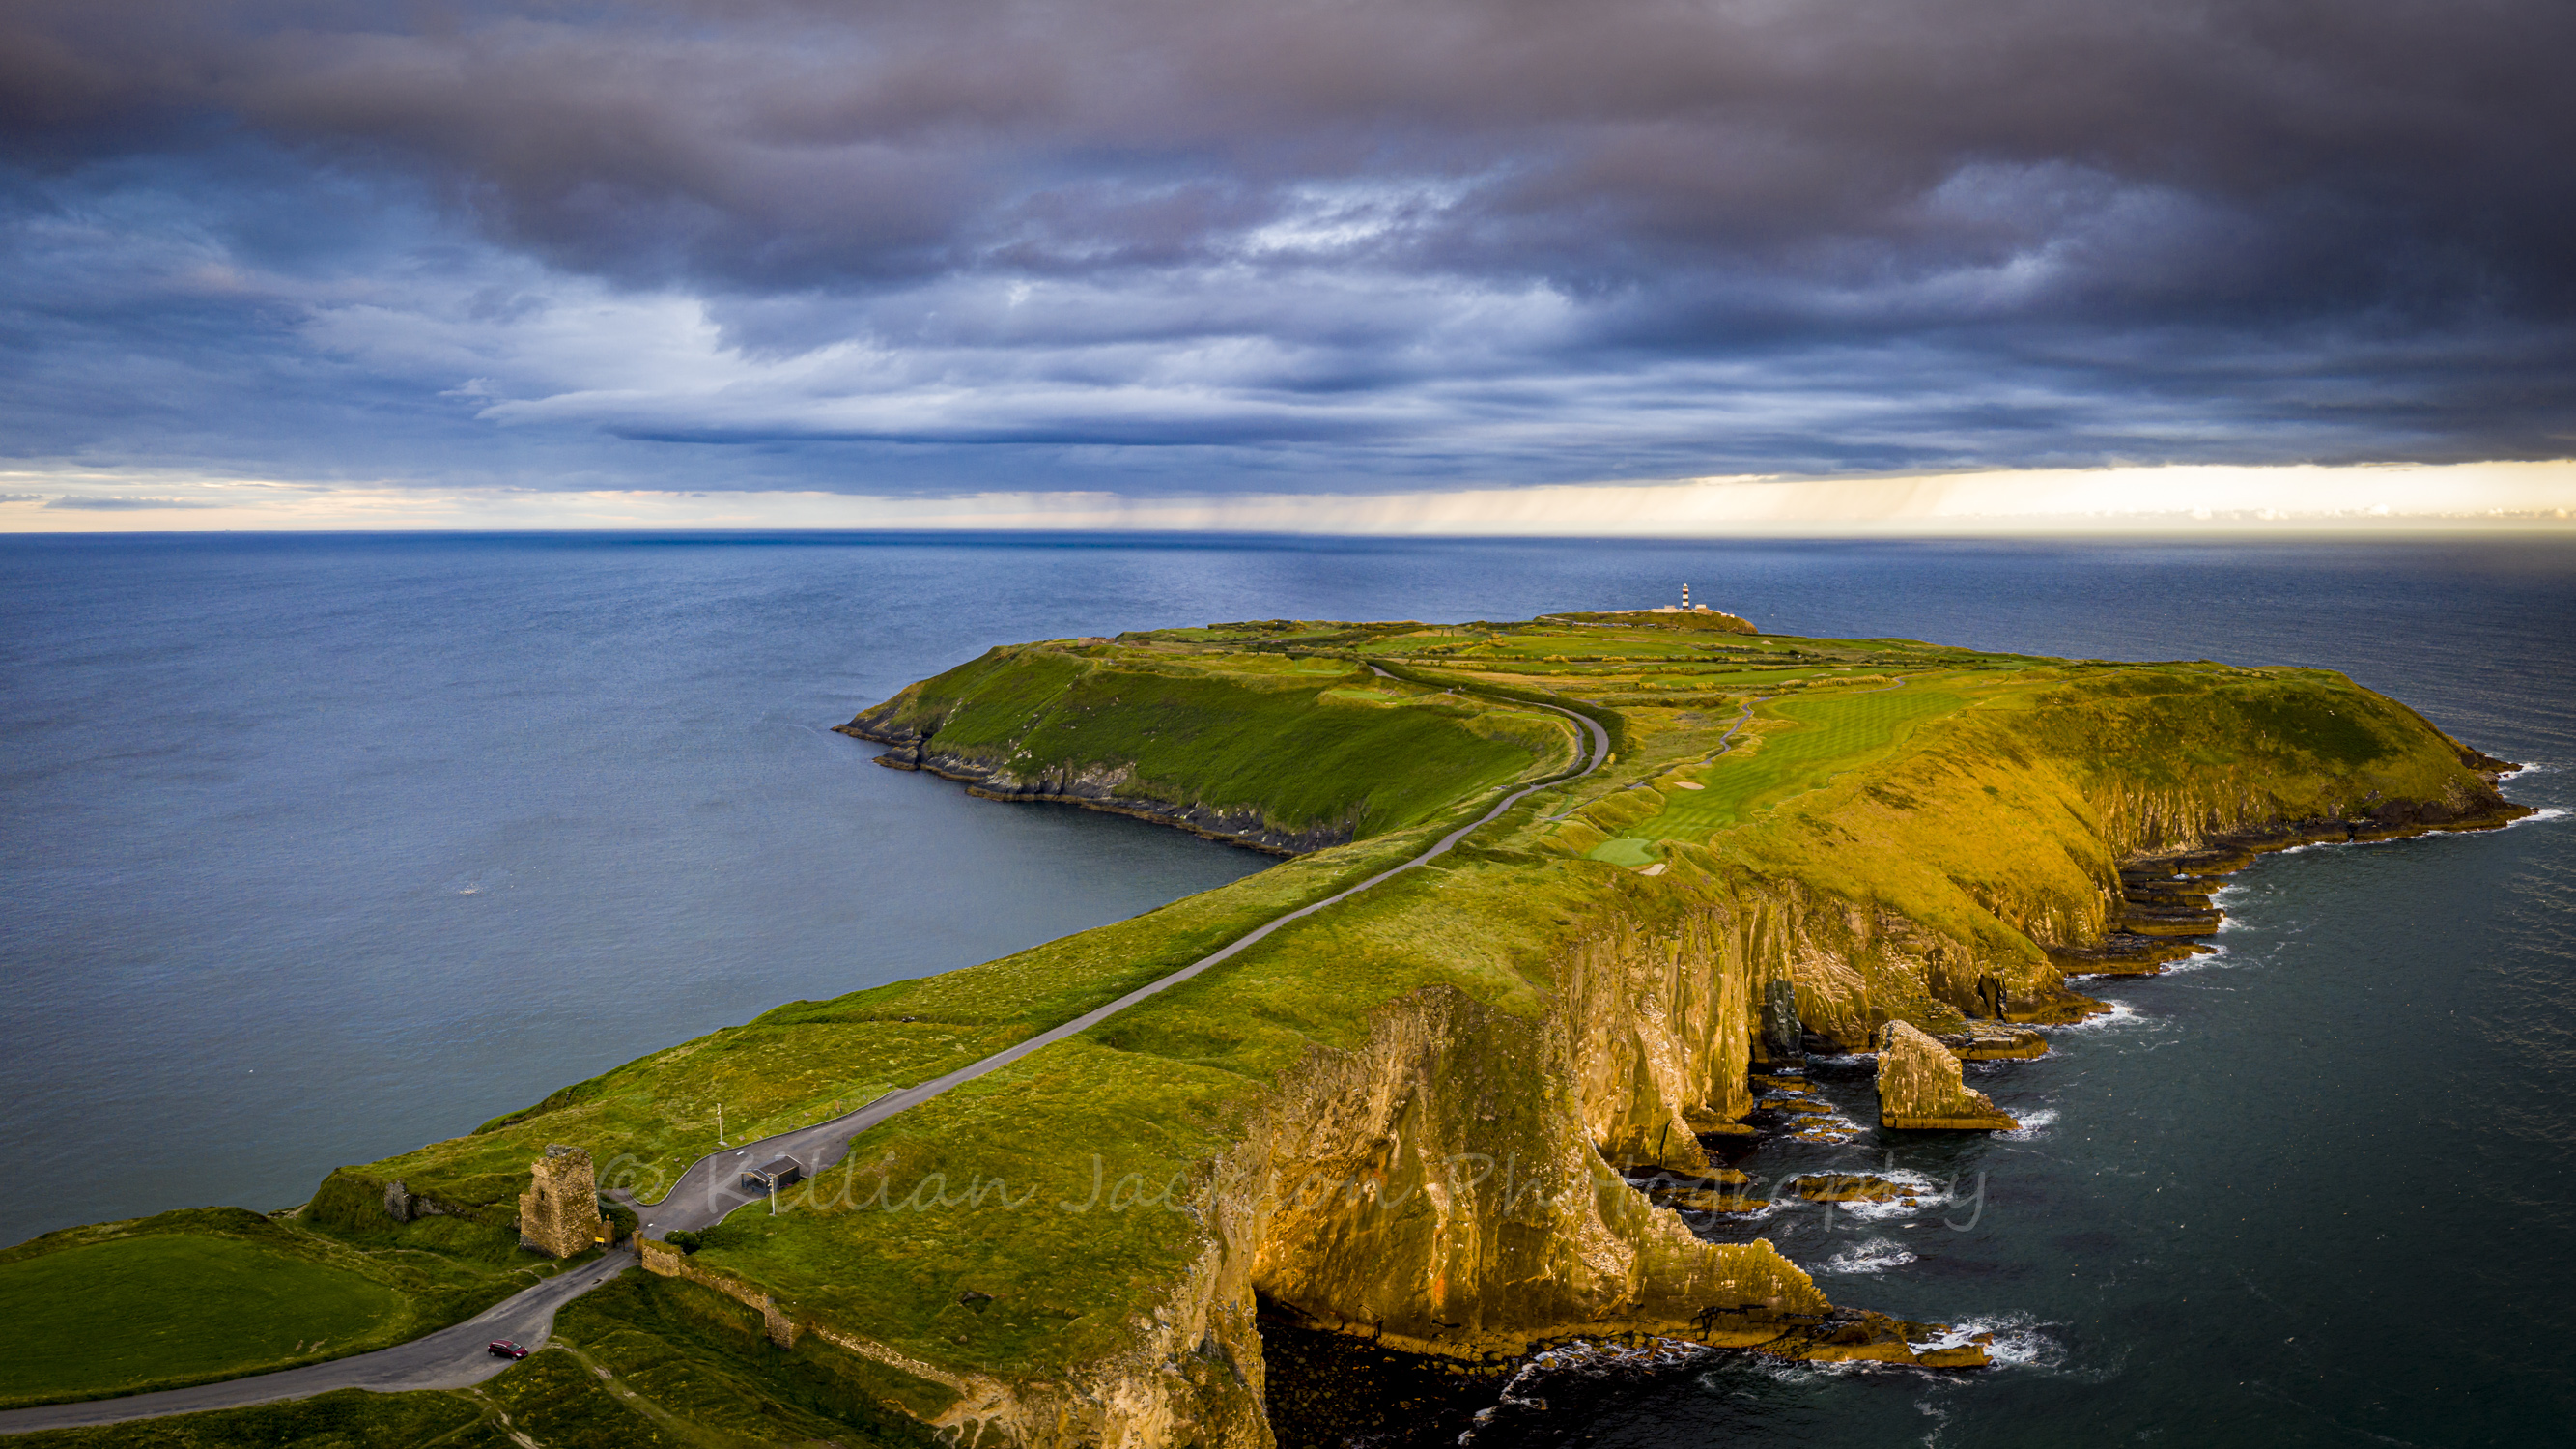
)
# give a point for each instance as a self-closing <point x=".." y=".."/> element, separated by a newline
<point x="1437" y="238"/>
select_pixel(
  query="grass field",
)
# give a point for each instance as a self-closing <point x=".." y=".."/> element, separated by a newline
<point x="114" y="1316"/>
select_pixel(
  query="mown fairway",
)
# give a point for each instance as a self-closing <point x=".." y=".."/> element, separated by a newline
<point x="113" y="1316"/>
<point x="1833" y="733"/>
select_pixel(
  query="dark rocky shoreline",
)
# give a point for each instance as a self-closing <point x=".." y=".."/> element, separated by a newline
<point x="2166" y="914"/>
<point x="912" y="750"/>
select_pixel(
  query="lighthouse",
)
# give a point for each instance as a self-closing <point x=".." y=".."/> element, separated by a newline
<point x="1686" y="598"/>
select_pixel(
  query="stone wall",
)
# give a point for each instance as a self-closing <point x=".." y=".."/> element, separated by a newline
<point x="663" y="1260"/>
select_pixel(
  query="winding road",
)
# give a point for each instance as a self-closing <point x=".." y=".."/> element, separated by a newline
<point x="456" y="1357"/>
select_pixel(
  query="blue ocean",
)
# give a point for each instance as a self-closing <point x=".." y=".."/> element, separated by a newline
<point x="319" y="847"/>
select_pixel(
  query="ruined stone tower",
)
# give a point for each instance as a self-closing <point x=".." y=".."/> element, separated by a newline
<point x="559" y="1213"/>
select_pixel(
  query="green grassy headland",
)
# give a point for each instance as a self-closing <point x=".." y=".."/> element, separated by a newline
<point x="1897" y="826"/>
<point x="1285" y="745"/>
<point x="1921" y="777"/>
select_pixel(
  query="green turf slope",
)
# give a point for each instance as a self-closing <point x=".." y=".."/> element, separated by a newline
<point x="108" y="1317"/>
<point x="214" y="1293"/>
<point x="1316" y="748"/>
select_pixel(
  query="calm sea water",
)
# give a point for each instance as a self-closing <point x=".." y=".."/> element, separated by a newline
<point x="317" y="848"/>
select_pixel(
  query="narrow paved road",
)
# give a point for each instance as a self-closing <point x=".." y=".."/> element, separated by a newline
<point x="456" y="1357"/>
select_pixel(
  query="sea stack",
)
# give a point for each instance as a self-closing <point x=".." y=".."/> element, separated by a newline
<point x="1919" y="1086"/>
<point x="559" y="1213"/>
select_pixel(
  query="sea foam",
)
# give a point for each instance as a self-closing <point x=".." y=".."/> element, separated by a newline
<point x="1875" y="1256"/>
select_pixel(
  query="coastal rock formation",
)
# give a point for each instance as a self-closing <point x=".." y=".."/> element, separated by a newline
<point x="1851" y="1187"/>
<point x="559" y="1213"/>
<point x="1987" y="1041"/>
<point x="1919" y="1086"/>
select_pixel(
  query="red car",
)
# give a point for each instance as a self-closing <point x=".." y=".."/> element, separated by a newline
<point x="504" y="1348"/>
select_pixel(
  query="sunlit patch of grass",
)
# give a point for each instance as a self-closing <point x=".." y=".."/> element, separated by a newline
<point x="1826" y="735"/>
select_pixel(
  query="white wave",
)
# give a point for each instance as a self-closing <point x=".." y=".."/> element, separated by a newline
<point x="2120" y="1014"/>
<point x="1871" y="1212"/>
<point x="2032" y="1124"/>
<point x="1875" y="1256"/>
<point x="2545" y="812"/>
<point x="2215" y="956"/>
<point x="1768" y="1207"/>
<point x="2019" y="1339"/>
<point x="1791" y="1371"/>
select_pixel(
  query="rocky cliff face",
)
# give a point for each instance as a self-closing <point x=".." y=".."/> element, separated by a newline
<point x="1443" y="1190"/>
<point x="1420" y="1192"/>
<point x="1449" y="1186"/>
<point x="1920" y="1086"/>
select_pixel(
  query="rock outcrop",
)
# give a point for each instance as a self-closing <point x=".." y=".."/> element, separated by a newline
<point x="1919" y="1086"/>
<point x="1782" y="1038"/>
<point x="559" y="1213"/>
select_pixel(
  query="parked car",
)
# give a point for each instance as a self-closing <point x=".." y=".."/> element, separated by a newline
<point x="504" y="1348"/>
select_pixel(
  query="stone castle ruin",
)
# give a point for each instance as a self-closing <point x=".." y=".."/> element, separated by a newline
<point x="559" y="1213"/>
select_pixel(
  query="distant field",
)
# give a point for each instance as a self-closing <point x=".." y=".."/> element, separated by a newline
<point x="116" y="1315"/>
<point x="1833" y="734"/>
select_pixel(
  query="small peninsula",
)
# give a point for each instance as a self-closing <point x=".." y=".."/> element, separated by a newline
<point x="1475" y="1110"/>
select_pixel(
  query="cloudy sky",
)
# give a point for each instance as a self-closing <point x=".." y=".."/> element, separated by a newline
<point x="1229" y="260"/>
